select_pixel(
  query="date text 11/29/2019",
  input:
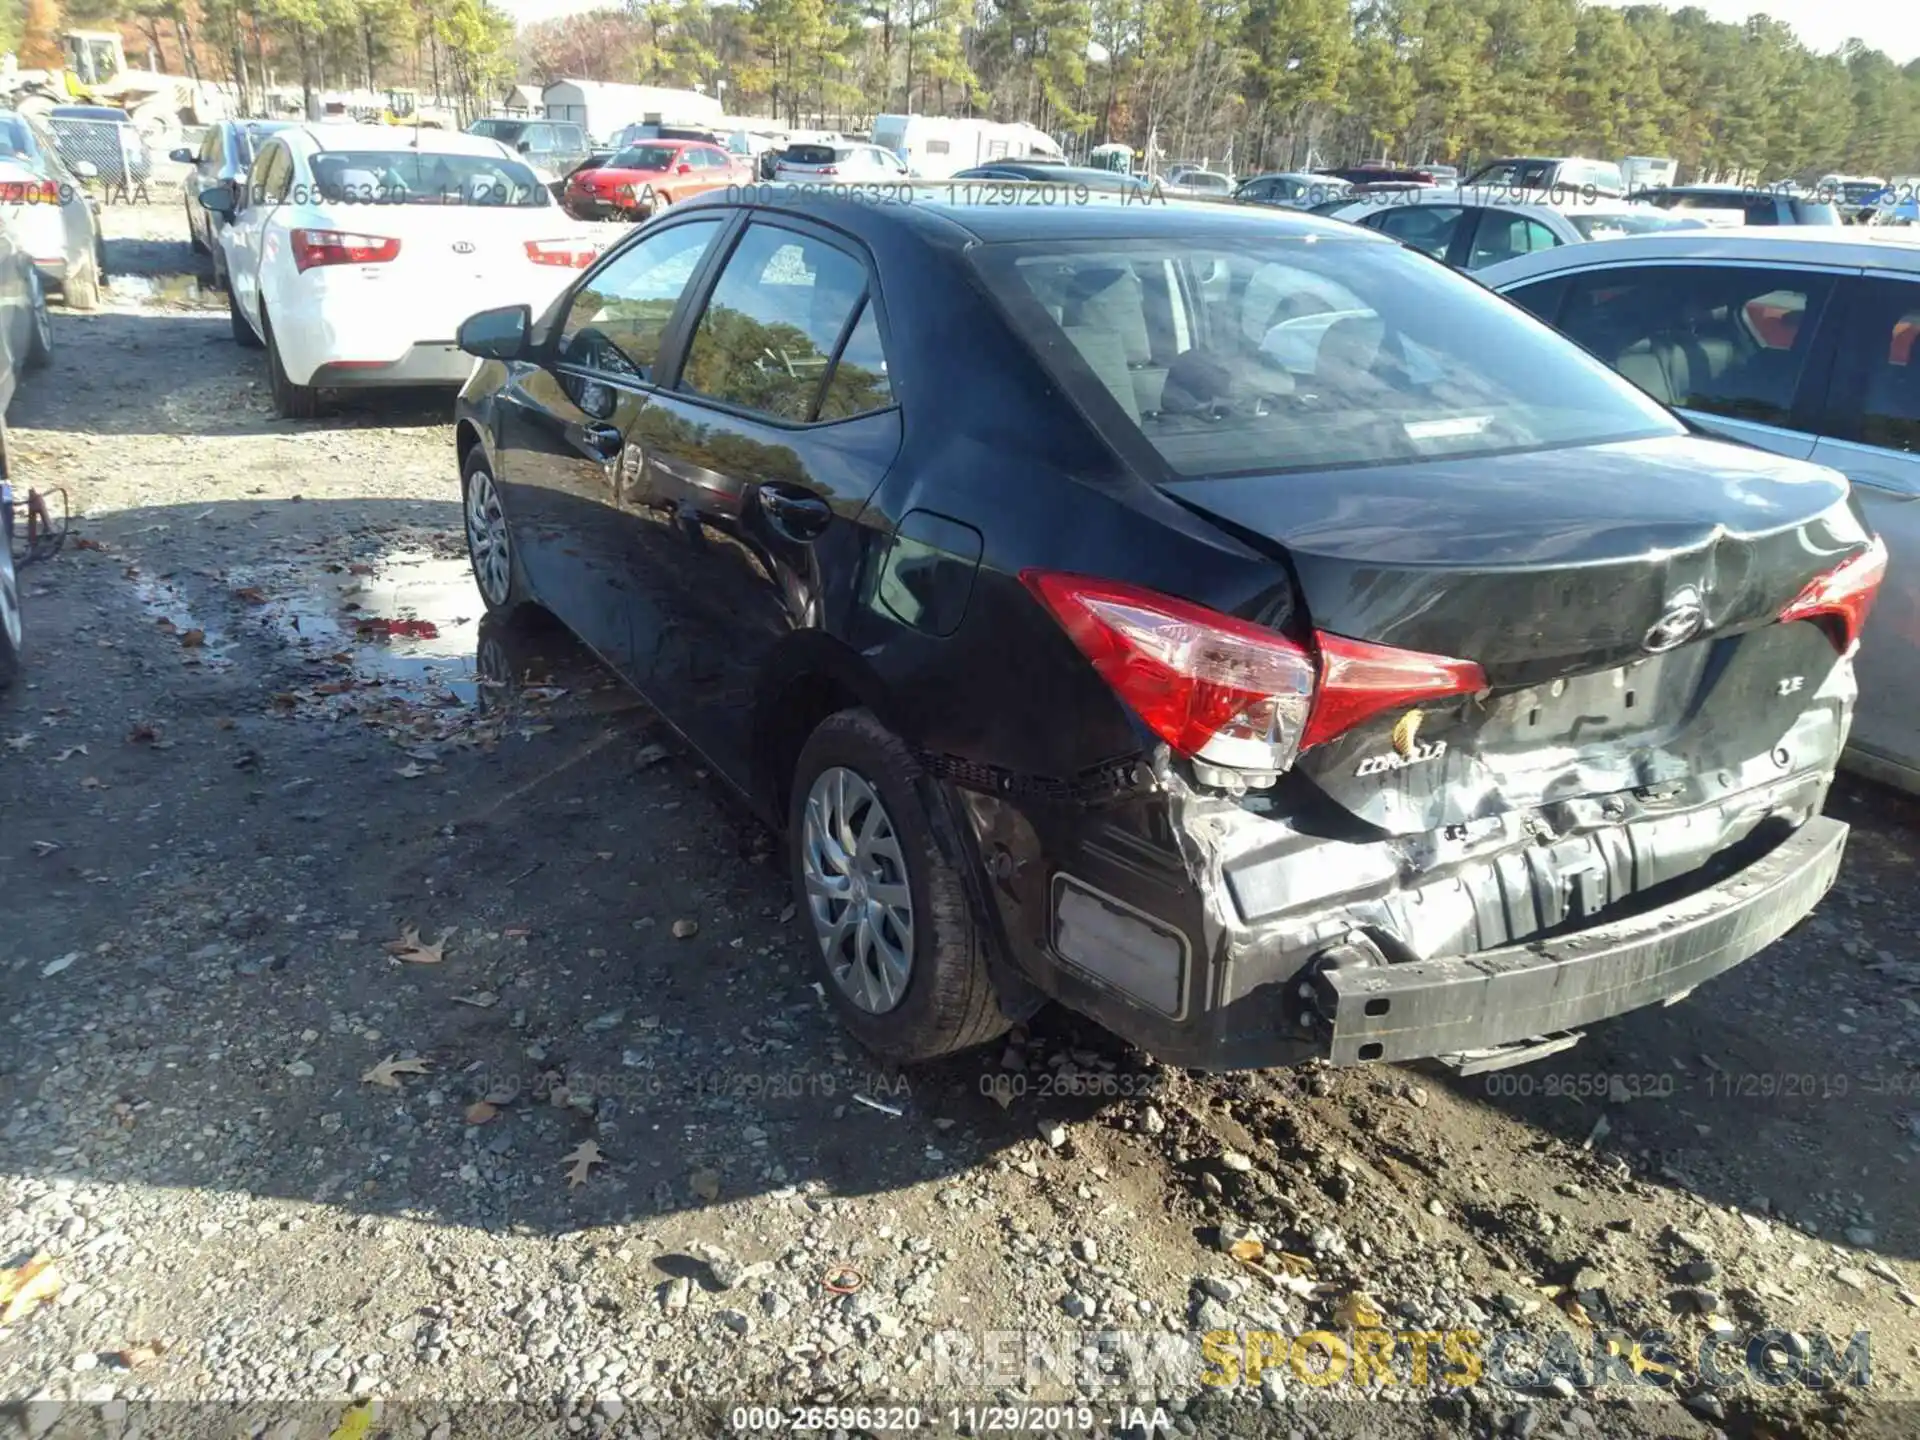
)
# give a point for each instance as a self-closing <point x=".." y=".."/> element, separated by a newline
<point x="968" y="1419"/>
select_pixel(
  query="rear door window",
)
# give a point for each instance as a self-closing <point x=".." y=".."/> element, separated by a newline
<point x="1874" y="396"/>
<point x="1726" y="340"/>
<point x="1502" y="235"/>
<point x="859" y="383"/>
<point x="772" y="323"/>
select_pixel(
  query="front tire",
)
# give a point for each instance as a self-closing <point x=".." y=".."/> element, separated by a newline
<point x="294" y="402"/>
<point x="82" y="290"/>
<point x="490" y="548"/>
<point x="10" y="629"/>
<point x="243" y="333"/>
<point x="902" y="954"/>
<point x="193" y="235"/>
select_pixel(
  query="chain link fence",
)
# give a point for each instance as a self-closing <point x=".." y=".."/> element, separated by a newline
<point x="115" y="152"/>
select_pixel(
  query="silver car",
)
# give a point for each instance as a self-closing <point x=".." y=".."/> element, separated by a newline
<point x="1802" y="340"/>
<point x="224" y="157"/>
<point x="46" y="208"/>
<point x="26" y="343"/>
<point x="844" y="162"/>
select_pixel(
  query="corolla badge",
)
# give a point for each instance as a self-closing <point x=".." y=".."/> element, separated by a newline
<point x="1685" y="617"/>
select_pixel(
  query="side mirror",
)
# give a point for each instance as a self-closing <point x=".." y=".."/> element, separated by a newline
<point x="182" y="156"/>
<point x="683" y="169"/>
<point x="218" y="200"/>
<point x="86" y="169"/>
<point x="524" y="146"/>
<point x="496" y="334"/>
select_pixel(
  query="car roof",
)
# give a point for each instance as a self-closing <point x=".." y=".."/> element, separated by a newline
<point x="942" y="213"/>
<point x="1862" y="246"/>
<point x="318" y="139"/>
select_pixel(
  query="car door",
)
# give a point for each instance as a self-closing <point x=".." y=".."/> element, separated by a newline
<point x="1731" y="346"/>
<point x="1869" y="429"/>
<point x="208" y="163"/>
<point x="563" y="427"/>
<point x="754" y="471"/>
<point x="244" y="241"/>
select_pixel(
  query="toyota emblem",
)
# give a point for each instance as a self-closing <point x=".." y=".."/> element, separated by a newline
<point x="1684" y="619"/>
<point x="463" y="247"/>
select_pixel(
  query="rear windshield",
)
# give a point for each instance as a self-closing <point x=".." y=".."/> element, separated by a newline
<point x="1270" y="353"/>
<point x="1815" y="212"/>
<point x="815" y="154"/>
<point x="507" y="130"/>
<point x="643" y="157"/>
<point x="413" y="177"/>
<point x="1611" y="227"/>
<point x="249" y="138"/>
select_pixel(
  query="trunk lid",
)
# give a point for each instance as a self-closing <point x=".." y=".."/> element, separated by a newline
<point x="1621" y="600"/>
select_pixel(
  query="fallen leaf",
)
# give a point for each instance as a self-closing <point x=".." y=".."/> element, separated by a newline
<point x="358" y="569"/>
<point x="142" y="735"/>
<point x="193" y="639"/>
<point x="517" y="932"/>
<point x="69" y="753"/>
<point x="93" y="782"/>
<point x="1291" y="1263"/>
<point x="225" y="722"/>
<point x="388" y="1072"/>
<point x="252" y="594"/>
<point x="356" y="1422"/>
<point x="1252" y="1252"/>
<point x="47" y="847"/>
<point x="1358" y="1311"/>
<point x="27" y="1285"/>
<point x="134" y="1356"/>
<point x="415" y="951"/>
<point x="412" y="770"/>
<point x="479" y="1000"/>
<point x="580" y="1162"/>
<point x="1569" y="1302"/>
<point x="336" y="687"/>
<point x="705" y="1184"/>
<point x="480" y="1112"/>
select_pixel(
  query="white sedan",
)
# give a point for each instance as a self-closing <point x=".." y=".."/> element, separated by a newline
<point x="356" y="251"/>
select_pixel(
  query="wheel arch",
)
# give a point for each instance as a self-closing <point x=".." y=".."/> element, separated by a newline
<point x="467" y="437"/>
<point x="811" y="676"/>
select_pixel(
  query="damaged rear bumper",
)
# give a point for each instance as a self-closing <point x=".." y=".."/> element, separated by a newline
<point x="1473" y="1002"/>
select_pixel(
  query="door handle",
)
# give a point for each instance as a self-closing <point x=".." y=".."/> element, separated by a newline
<point x="795" y="513"/>
<point x="600" y="441"/>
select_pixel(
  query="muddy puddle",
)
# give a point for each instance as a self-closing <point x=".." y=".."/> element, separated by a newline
<point x="163" y="289"/>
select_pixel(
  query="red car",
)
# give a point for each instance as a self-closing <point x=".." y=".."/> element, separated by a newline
<point x="653" y="174"/>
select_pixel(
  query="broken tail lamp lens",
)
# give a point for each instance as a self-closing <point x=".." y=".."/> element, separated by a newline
<point x="313" y="248"/>
<point x="1840" y="599"/>
<point x="1231" y="693"/>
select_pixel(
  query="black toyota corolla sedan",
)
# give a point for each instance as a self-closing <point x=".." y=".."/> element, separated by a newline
<point x="1228" y="623"/>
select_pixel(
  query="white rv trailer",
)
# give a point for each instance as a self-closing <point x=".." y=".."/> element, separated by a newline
<point x="935" y="147"/>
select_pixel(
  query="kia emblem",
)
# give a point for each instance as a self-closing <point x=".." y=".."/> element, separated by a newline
<point x="463" y="247"/>
<point x="1684" y="618"/>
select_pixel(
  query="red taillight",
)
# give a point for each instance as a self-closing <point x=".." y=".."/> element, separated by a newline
<point x="827" y="170"/>
<point x="1229" y="692"/>
<point x="1843" y="595"/>
<point x="573" y="254"/>
<point x="340" y="247"/>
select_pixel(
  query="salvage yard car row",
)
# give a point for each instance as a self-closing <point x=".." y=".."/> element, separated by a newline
<point x="1228" y="623"/>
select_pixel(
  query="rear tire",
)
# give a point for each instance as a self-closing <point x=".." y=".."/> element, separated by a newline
<point x="39" y="327"/>
<point x="946" y="1001"/>
<point x="83" y="286"/>
<point x="294" y="402"/>
<point x="243" y="333"/>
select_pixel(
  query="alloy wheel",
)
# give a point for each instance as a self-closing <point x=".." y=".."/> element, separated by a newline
<point x="857" y="891"/>
<point x="487" y="541"/>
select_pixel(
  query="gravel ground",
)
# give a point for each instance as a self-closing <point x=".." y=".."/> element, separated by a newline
<point x="406" y="1018"/>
